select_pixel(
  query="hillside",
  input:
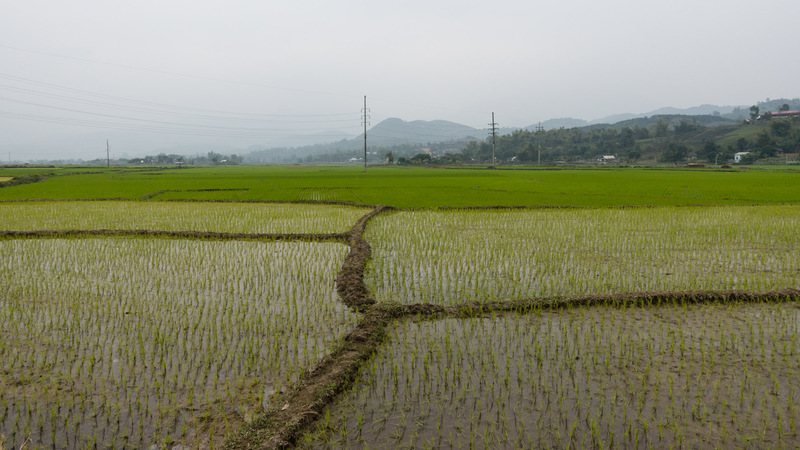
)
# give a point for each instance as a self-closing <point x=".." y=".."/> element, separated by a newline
<point x="400" y="136"/>
<point x="393" y="131"/>
<point x="690" y="127"/>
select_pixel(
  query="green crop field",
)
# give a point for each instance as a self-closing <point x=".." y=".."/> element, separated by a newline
<point x="407" y="187"/>
<point x="260" y="307"/>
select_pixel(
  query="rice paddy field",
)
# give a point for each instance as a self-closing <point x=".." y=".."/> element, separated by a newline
<point x="333" y="323"/>
<point x="255" y="218"/>
<point x="134" y="342"/>
<point x="456" y="256"/>
<point x="646" y="376"/>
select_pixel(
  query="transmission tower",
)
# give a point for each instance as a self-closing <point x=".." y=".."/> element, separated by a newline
<point x="494" y="137"/>
<point x="539" y="130"/>
<point x="365" y="122"/>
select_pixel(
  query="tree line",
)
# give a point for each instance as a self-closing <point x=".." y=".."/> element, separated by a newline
<point x="671" y="141"/>
<point x="211" y="158"/>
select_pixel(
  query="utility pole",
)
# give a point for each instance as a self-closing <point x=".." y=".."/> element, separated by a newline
<point x="494" y="137"/>
<point x="108" y="155"/>
<point x="539" y="130"/>
<point x="365" y="119"/>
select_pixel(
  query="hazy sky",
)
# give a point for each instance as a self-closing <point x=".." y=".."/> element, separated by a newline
<point x="245" y="72"/>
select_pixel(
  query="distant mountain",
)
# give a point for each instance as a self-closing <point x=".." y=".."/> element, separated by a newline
<point x="734" y="113"/>
<point x="389" y="133"/>
<point x="702" y="110"/>
<point x="706" y="120"/>
<point x="565" y="122"/>
<point x="616" y="118"/>
<point x="395" y="131"/>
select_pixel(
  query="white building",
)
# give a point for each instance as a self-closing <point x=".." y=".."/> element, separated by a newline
<point x="737" y="157"/>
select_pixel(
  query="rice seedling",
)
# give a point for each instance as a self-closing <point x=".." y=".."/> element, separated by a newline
<point x="132" y="342"/>
<point x="606" y="376"/>
<point x="451" y="257"/>
<point x="179" y="216"/>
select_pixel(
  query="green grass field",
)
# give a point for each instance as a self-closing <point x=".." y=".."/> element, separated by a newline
<point x="407" y="187"/>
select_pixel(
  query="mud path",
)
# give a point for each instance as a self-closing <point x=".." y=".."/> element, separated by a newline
<point x="350" y="281"/>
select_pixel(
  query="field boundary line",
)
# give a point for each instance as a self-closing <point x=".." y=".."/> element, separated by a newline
<point x="164" y="191"/>
<point x="279" y="202"/>
<point x="281" y="426"/>
<point x="579" y="207"/>
<point x="645" y="298"/>
<point x="350" y="279"/>
<point x="191" y="200"/>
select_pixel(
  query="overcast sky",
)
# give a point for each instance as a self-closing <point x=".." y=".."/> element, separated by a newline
<point x="245" y="72"/>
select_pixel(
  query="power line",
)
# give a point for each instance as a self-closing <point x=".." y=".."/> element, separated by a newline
<point x="190" y="130"/>
<point x="136" y="119"/>
<point x="221" y="80"/>
<point x="165" y="72"/>
<point x="140" y="105"/>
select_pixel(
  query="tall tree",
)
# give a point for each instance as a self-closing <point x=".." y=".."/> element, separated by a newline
<point x="754" y="112"/>
<point x="709" y="151"/>
<point x="661" y="128"/>
<point x="764" y="143"/>
<point x="780" y="127"/>
<point x="675" y="153"/>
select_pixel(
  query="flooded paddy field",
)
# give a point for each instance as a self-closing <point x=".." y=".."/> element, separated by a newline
<point x="129" y="342"/>
<point x="670" y="375"/>
<point x="448" y="257"/>
<point x="178" y="216"/>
